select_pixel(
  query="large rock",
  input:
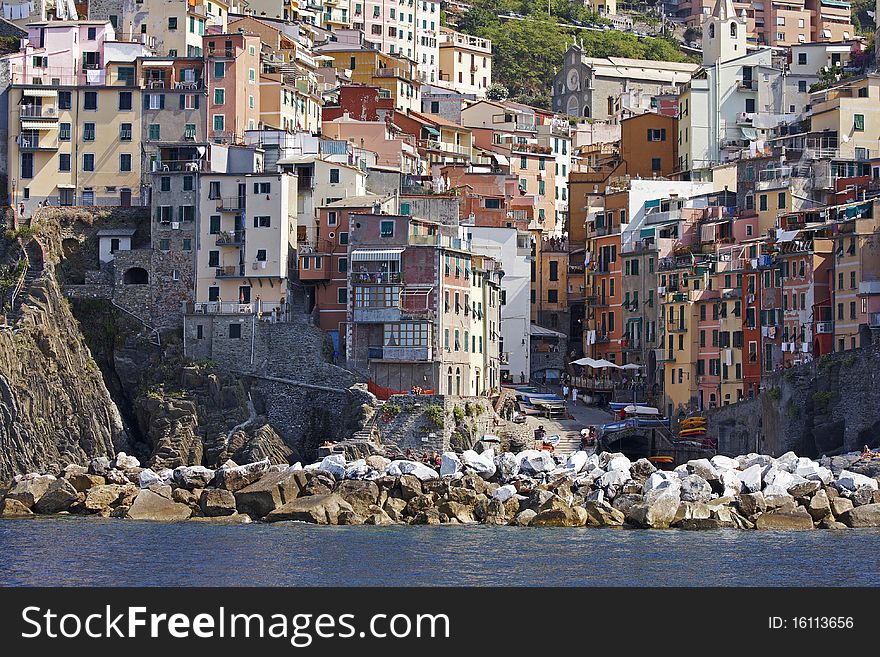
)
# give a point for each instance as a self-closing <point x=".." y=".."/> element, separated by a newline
<point x="235" y="477"/>
<point x="721" y="463"/>
<point x="564" y="517"/>
<point x="751" y="478"/>
<point x="535" y="461"/>
<point x="840" y="505"/>
<point x="29" y="489"/>
<point x="695" y="489"/>
<point x="461" y="512"/>
<point x="334" y="464"/>
<point x="12" y="508"/>
<point x="152" y="506"/>
<point x="271" y="491"/>
<point x="602" y="514"/>
<point x="504" y="493"/>
<point x="752" y="503"/>
<point x="507" y="465"/>
<point x="814" y="472"/>
<point x="147" y="478"/>
<point x="319" y="509"/>
<point x="409" y="486"/>
<point x="357" y="470"/>
<point x="378" y="463"/>
<point x="867" y="515"/>
<point x="83" y="482"/>
<point x="658" y="514"/>
<point x="108" y="496"/>
<point x="192" y="476"/>
<point x="60" y="496"/>
<point x="524" y="518"/>
<point x="419" y="470"/>
<point x="99" y="465"/>
<point x="703" y="468"/>
<point x="819" y="506"/>
<point x="731" y="484"/>
<point x="361" y="495"/>
<point x="449" y="464"/>
<point x="691" y="511"/>
<point x="577" y="461"/>
<point x="481" y="464"/>
<point x="852" y="481"/>
<point x="785" y="520"/>
<point x="641" y="470"/>
<point x="803" y="487"/>
<point x="394" y="508"/>
<point x="217" y="502"/>
<point x="123" y="462"/>
<point x="621" y="463"/>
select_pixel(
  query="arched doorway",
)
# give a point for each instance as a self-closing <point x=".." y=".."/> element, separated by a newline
<point x="136" y="276"/>
<point x="458" y="381"/>
<point x="449" y="382"/>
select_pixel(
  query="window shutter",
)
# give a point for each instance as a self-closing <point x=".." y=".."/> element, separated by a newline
<point x="146" y="101"/>
<point x="256" y="223"/>
<point x="182" y="101"/>
<point x="256" y="188"/>
<point x="161" y="101"/>
<point x="197" y="101"/>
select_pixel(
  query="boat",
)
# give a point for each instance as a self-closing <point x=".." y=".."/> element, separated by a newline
<point x="645" y="434"/>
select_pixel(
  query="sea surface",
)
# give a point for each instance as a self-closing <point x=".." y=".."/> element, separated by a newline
<point x="105" y="552"/>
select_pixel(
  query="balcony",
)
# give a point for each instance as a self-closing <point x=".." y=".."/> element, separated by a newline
<point x="229" y="271"/>
<point x="392" y="73"/>
<point x="421" y="353"/>
<point x="376" y="277"/>
<point x="445" y="147"/>
<point x="230" y="238"/>
<point x="747" y="85"/>
<point x="526" y="126"/>
<point x="221" y="53"/>
<point x="231" y="204"/>
<point x="266" y="310"/>
<point x="178" y="165"/>
<point x="826" y="327"/>
<point x="874" y="320"/>
<point x="31" y="143"/>
<point x="38" y="112"/>
<point x="536" y="149"/>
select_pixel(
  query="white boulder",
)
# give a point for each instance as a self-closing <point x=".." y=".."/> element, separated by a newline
<point x="659" y="479"/>
<point x="731" y="482"/>
<point x="481" y="464"/>
<point x="814" y="472"/>
<point x="419" y="470"/>
<point x="125" y="462"/>
<point x="507" y="464"/>
<point x="702" y="468"/>
<point x="720" y="462"/>
<point x="577" y="461"/>
<point x="357" y="469"/>
<point x="535" y="461"/>
<point x="333" y="464"/>
<point x="148" y="477"/>
<point x="775" y="490"/>
<point x="751" y="478"/>
<point x="781" y="478"/>
<point x="852" y="481"/>
<point x="748" y="460"/>
<point x="449" y="464"/>
<point x="621" y="463"/>
<point x="504" y="493"/>
<point x="787" y="462"/>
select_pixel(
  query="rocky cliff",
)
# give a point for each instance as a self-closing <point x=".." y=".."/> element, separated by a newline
<point x="54" y="406"/>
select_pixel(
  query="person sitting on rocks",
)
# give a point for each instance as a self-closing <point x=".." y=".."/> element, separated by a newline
<point x="410" y="454"/>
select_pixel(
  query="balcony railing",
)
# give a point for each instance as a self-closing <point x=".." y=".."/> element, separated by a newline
<point x="266" y="310"/>
<point x="38" y="112"/>
<point x="229" y="271"/>
<point x="392" y="73"/>
<point x="418" y="353"/>
<point x="231" y="204"/>
<point x="32" y="143"/>
<point x="230" y="238"/>
<point x="178" y="165"/>
<point x="377" y="277"/>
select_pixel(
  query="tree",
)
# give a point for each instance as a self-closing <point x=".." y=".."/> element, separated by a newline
<point x="497" y="91"/>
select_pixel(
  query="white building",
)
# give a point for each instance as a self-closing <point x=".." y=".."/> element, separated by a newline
<point x="513" y="250"/>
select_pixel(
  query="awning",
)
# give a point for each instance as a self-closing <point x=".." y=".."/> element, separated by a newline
<point x="650" y="230"/>
<point x="162" y="63"/>
<point x="826" y="34"/>
<point x="375" y="255"/>
<point x="541" y="332"/>
<point x="65" y="186"/>
<point x="749" y="133"/>
<point x="786" y="235"/>
<point x="499" y="158"/>
<point x="40" y="93"/>
<point x="39" y="125"/>
<point x="431" y="131"/>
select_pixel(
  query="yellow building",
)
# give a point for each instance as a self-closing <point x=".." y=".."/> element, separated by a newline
<point x="76" y="143"/>
<point x="852" y="111"/>
<point x="173" y="27"/>
<point x="395" y="73"/>
<point x="247" y="238"/>
<point x="679" y="366"/>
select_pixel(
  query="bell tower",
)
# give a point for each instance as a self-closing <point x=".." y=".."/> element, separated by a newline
<point x="724" y="34"/>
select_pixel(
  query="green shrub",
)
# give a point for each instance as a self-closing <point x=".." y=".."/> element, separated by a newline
<point x="794" y="411"/>
<point x="849" y="361"/>
<point x="390" y="409"/>
<point x="435" y="416"/>
<point x="822" y="399"/>
<point x="775" y="394"/>
<point x="458" y="413"/>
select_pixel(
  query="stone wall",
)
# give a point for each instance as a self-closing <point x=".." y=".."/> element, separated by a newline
<point x="824" y="407"/>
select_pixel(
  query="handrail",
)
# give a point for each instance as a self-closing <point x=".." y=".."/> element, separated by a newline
<point x="153" y="330"/>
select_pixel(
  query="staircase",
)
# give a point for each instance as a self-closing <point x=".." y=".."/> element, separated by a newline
<point x="33" y="257"/>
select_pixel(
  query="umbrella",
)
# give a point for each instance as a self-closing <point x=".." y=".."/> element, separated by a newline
<point x="604" y="363"/>
<point x="630" y="366"/>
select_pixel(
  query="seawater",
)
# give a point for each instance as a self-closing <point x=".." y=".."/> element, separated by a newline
<point x="105" y="552"/>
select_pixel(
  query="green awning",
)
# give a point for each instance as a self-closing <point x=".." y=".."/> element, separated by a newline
<point x="646" y="232"/>
<point x="432" y="131"/>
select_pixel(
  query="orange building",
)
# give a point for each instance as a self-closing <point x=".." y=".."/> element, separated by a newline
<point x="648" y="145"/>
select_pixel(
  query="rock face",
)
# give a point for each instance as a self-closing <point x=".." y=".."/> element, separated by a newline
<point x="50" y="386"/>
<point x="152" y="506"/>
<point x="319" y="509"/>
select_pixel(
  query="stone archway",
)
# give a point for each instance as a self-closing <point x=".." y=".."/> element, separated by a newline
<point x="136" y="276"/>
